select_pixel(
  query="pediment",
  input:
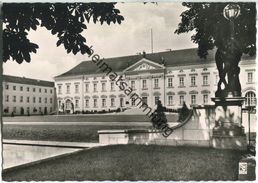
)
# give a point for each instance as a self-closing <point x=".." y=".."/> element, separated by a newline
<point x="144" y="64"/>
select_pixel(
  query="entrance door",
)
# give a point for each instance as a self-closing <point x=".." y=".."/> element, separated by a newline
<point x="45" y="110"/>
<point x="22" y="111"/>
<point x="68" y="106"/>
<point x="121" y="102"/>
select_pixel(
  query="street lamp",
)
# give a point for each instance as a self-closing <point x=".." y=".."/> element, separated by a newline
<point x="231" y="11"/>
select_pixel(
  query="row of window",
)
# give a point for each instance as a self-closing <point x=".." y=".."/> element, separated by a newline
<point x="144" y="85"/>
<point x="22" y="99"/>
<point x="27" y="89"/>
<point x="170" y="101"/>
<point x="95" y="103"/>
<point x="21" y="110"/>
<point x="250" y="100"/>
<point x="205" y="82"/>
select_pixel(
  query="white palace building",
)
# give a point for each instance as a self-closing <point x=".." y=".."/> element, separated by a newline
<point x="172" y="77"/>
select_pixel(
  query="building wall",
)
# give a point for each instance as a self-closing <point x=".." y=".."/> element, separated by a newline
<point x="17" y="100"/>
<point x="187" y="91"/>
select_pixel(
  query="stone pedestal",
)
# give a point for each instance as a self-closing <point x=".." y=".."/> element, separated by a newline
<point x="228" y="132"/>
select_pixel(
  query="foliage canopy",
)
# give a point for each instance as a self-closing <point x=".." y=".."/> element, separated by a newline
<point x="212" y="28"/>
<point x="65" y="20"/>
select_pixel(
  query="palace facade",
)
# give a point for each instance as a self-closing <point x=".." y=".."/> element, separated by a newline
<point x="25" y="96"/>
<point x="173" y="77"/>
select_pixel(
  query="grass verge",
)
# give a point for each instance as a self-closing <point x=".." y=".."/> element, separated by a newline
<point x="135" y="162"/>
<point x="68" y="133"/>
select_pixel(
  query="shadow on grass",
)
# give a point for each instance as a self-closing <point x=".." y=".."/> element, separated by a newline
<point x="134" y="162"/>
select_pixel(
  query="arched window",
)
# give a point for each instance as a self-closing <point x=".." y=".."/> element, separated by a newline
<point x="250" y="98"/>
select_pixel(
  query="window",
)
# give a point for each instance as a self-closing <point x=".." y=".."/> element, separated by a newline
<point x="45" y="90"/>
<point x="14" y="87"/>
<point x="250" y="99"/>
<point x="51" y="100"/>
<point x="144" y="84"/>
<point x="95" y="87"/>
<point x="28" y="109"/>
<point x="121" y="102"/>
<point x="205" y="99"/>
<point x="68" y="89"/>
<point x="21" y="88"/>
<point x="39" y="99"/>
<point x="14" y="98"/>
<point x="39" y="90"/>
<point x="59" y="89"/>
<point x="87" y="103"/>
<point x="86" y="87"/>
<point x="145" y="100"/>
<point x="193" y="83"/>
<point x="95" y="102"/>
<point x="156" y="100"/>
<point x="193" y="99"/>
<point x="181" y="81"/>
<point x="76" y="88"/>
<point x="34" y="89"/>
<point x="76" y="103"/>
<point x="181" y="99"/>
<point x="133" y="85"/>
<point x="103" y="102"/>
<point x="112" y="102"/>
<point x="112" y="86"/>
<point x="170" y="100"/>
<point x="103" y="86"/>
<point x="21" y="98"/>
<point x="156" y="83"/>
<point x="205" y="80"/>
<point x="50" y="109"/>
<point x="39" y="109"/>
<point x="170" y="82"/>
<point x="28" y="89"/>
<point x="59" y="103"/>
<point x="133" y="101"/>
<point x="45" y="100"/>
<point x="7" y="98"/>
<point x="28" y="99"/>
<point x="14" y="109"/>
<point x="6" y="110"/>
<point x="34" y="99"/>
<point x="6" y="86"/>
<point x="249" y="77"/>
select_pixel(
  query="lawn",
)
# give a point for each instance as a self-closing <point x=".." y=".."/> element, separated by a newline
<point x="68" y="133"/>
<point x="88" y="118"/>
<point x="134" y="162"/>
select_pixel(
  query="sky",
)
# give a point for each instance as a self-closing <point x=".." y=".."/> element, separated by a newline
<point x="130" y="37"/>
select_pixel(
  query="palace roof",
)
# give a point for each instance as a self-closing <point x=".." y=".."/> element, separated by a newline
<point x="174" y="58"/>
<point x="27" y="81"/>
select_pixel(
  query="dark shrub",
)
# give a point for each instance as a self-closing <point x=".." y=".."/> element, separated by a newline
<point x="183" y="113"/>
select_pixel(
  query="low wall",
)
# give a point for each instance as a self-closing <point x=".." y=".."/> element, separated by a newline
<point x="196" y="131"/>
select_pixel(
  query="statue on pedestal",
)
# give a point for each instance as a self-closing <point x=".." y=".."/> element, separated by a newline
<point x="227" y="60"/>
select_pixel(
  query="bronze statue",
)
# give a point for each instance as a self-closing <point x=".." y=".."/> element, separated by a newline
<point x="227" y="59"/>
